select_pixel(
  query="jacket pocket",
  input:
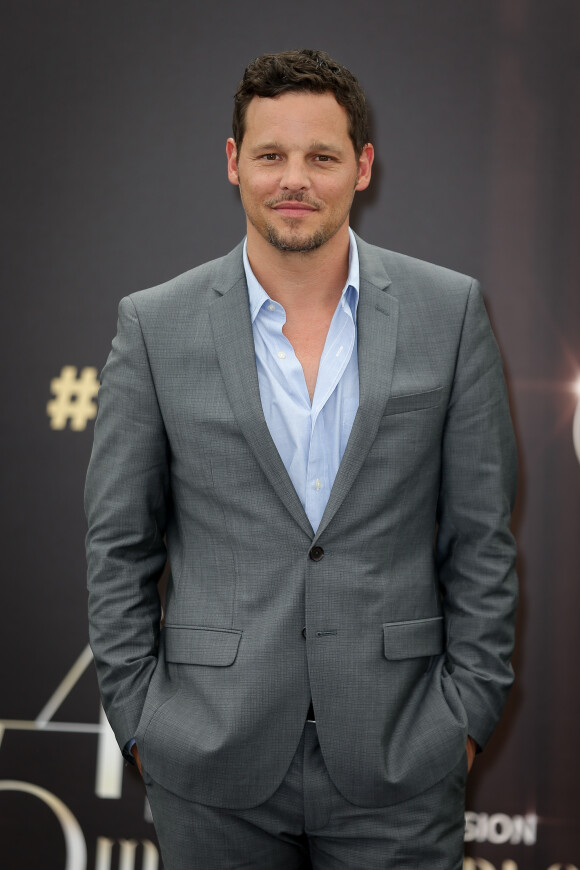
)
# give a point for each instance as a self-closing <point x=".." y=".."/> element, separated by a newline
<point x="413" y="638"/>
<point x="413" y="401"/>
<point x="190" y="645"/>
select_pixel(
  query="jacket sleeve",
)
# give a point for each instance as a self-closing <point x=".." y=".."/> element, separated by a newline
<point x="126" y="498"/>
<point x="475" y="549"/>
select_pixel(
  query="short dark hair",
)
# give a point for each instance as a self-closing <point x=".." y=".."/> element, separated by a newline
<point x="302" y="70"/>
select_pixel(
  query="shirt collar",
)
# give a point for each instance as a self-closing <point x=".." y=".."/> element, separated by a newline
<point x="349" y="296"/>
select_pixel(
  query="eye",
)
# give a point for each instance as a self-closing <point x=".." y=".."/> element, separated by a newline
<point x="323" y="158"/>
<point x="269" y="157"/>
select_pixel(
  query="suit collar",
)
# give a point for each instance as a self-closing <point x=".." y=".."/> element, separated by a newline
<point x="371" y="267"/>
<point x="231" y="271"/>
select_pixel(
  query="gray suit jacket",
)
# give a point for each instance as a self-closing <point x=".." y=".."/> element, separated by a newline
<point x="407" y="591"/>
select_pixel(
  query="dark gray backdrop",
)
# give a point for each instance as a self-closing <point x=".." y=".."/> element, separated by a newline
<point x="115" y="116"/>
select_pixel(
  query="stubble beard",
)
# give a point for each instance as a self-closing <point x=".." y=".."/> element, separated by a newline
<point x="297" y="245"/>
<point x="288" y="242"/>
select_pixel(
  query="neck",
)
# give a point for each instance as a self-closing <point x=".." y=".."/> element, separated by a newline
<point x="298" y="281"/>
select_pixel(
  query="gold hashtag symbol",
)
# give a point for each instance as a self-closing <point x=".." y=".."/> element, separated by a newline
<point x="74" y="398"/>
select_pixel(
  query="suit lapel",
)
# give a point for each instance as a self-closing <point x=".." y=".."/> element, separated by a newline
<point x="234" y="342"/>
<point x="377" y="320"/>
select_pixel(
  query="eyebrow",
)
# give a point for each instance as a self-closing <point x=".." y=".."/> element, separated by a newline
<point x="267" y="146"/>
<point x="314" y="146"/>
<point x="324" y="146"/>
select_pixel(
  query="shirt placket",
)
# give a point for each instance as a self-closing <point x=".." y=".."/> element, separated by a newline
<point x="335" y="357"/>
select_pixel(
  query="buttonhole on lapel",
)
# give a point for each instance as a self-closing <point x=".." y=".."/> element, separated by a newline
<point x="326" y="633"/>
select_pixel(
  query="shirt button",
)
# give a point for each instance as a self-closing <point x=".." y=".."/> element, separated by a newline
<point x="316" y="554"/>
<point x="317" y="484"/>
<point x="271" y="307"/>
<point x="281" y="354"/>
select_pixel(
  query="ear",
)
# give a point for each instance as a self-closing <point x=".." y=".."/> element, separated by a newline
<point x="232" y="155"/>
<point x="365" y="163"/>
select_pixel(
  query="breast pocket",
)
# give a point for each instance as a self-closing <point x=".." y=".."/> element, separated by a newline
<point x="401" y="404"/>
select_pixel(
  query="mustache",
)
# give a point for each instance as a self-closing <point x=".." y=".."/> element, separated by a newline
<point x="299" y="196"/>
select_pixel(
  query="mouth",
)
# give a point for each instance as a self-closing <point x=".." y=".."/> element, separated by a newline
<point x="294" y="209"/>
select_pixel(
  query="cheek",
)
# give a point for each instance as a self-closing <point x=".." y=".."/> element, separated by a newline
<point x="259" y="188"/>
<point x="340" y="194"/>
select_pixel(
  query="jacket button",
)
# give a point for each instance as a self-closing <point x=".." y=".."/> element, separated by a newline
<point x="304" y="632"/>
<point x="316" y="554"/>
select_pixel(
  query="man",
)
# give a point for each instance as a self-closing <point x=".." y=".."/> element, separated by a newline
<point x="316" y="433"/>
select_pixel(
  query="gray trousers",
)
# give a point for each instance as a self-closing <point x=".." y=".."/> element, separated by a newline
<point x="308" y="824"/>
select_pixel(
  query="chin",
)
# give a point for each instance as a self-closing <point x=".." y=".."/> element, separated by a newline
<point x="293" y="244"/>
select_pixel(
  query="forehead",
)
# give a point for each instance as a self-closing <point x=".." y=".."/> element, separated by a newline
<point x="296" y="116"/>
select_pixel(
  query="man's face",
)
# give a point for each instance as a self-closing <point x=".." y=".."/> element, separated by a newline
<point x="297" y="170"/>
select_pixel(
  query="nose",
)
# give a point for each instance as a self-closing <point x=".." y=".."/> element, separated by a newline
<point x="295" y="175"/>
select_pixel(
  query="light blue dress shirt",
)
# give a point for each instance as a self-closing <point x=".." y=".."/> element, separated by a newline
<point x="310" y="436"/>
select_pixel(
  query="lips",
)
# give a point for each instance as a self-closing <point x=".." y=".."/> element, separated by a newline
<point x="294" y="209"/>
